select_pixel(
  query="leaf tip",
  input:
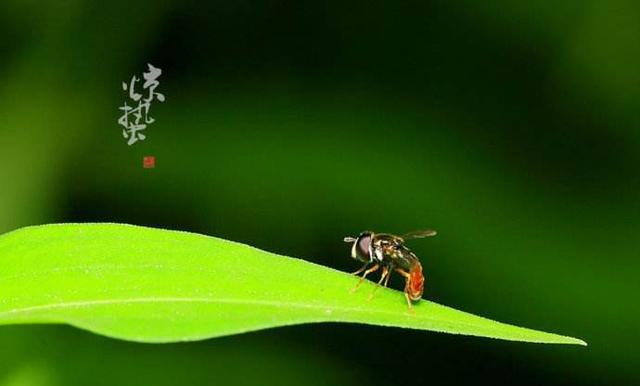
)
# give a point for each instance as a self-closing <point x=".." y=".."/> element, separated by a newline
<point x="576" y="341"/>
<point x="581" y="342"/>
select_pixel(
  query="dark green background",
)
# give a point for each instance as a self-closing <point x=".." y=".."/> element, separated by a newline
<point x="511" y="127"/>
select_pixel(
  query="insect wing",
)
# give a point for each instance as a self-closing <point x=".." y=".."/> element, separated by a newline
<point x="404" y="259"/>
<point x="419" y="234"/>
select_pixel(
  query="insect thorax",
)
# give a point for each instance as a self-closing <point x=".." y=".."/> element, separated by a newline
<point x="390" y="250"/>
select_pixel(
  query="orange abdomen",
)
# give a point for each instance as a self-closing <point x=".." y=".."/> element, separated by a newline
<point x="416" y="282"/>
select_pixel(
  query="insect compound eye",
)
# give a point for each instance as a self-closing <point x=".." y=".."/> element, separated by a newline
<point x="364" y="246"/>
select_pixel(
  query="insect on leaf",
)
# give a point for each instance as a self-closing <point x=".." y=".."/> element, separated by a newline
<point x="153" y="285"/>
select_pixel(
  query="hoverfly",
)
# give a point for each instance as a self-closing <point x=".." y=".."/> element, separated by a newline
<point x="387" y="251"/>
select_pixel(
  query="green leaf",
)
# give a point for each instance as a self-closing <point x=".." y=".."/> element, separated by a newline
<point x="152" y="285"/>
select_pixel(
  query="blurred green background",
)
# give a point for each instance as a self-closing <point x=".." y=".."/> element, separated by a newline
<point x="511" y="127"/>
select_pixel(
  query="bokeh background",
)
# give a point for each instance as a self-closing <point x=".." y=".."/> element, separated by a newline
<point x="511" y="127"/>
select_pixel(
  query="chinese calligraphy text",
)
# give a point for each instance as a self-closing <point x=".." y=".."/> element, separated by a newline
<point x="136" y="118"/>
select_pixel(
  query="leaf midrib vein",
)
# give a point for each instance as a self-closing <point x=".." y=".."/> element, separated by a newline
<point x="89" y="303"/>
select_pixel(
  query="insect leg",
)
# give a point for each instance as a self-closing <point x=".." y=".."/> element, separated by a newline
<point x="368" y="271"/>
<point x="406" y="287"/>
<point x="385" y="273"/>
<point x="403" y="273"/>
<point x="387" y="279"/>
<point x="406" y="296"/>
<point x="361" y="269"/>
